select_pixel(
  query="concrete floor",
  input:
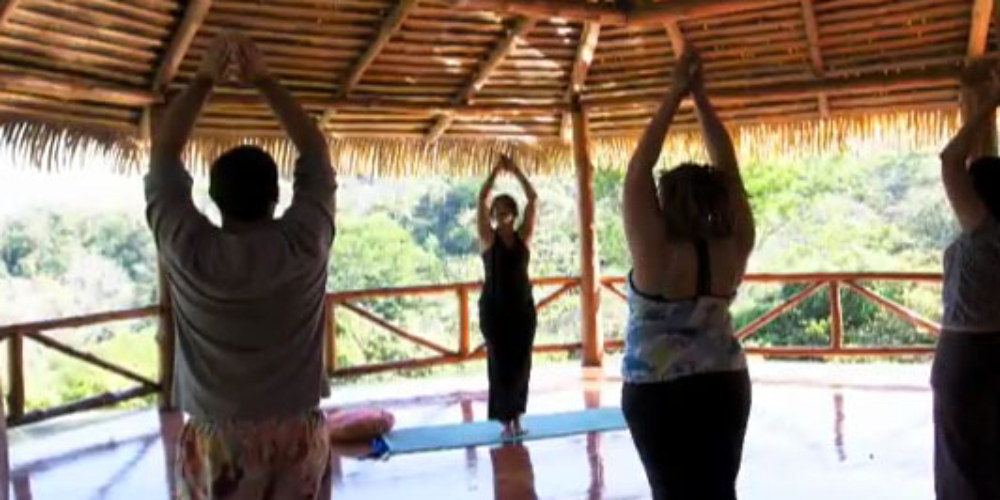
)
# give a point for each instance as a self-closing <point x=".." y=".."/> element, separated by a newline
<point x="817" y="432"/>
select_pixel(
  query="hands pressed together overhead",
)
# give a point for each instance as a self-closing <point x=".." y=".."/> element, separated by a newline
<point x="227" y="49"/>
<point x="688" y="76"/>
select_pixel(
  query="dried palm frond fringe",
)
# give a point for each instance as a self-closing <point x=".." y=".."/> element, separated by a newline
<point x="56" y="148"/>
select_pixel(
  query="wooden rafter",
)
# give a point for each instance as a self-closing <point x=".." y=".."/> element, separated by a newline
<point x="496" y="58"/>
<point x="815" y="52"/>
<point x="390" y="25"/>
<point x="483" y="72"/>
<point x="812" y="37"/>
<point x="74" y="89"/>
<point x="7" y="8"/>
<point x="566" y="9"/>
<point x="585" y="50"/>
<point x="676" y="10"/>
<point x="194" y="16"/>
<point x="979" y="31"/>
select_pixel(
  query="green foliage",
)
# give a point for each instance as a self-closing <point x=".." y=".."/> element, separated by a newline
<point x="877" y="213"/>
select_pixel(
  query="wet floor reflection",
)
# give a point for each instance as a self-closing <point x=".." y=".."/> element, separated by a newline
<point x="888" y="456"/>
<point x="838" y="426"/>
<point x="513" y="474"/>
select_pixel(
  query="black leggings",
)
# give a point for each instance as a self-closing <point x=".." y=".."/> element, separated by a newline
<point x="689" y="433"/>
<point x="967" y="416"/>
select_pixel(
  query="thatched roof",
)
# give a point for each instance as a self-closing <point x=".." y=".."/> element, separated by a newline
<point x="417" y="85"/>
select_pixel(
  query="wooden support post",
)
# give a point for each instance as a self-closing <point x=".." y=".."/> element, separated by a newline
<point x="463" y="322"/>
<point x="836" y="318"/>
<point x="581" y="66"/>
<point x="166" y="338"/>
<point x="590" y="271"/>
<point x="330" y="338"/>
<point x="15" y="376"/>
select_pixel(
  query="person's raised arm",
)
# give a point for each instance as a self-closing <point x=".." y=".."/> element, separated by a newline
<point x="645" y="228"/>
<point x="969" y="209"/>
<point x="483" y="227"/>
<point x="301" y="129"/>
<point x="723" y="156"/>
<point x="177" y="125"/>
<point x="527" y="229"/>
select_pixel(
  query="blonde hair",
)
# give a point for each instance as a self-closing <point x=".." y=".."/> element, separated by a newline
<point x="695" y="202"/>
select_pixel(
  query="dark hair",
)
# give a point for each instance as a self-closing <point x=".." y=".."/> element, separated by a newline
<point x="244" y="183"/>
<point x="695" y="201"/>
<point x="985" y="174"/>
<point x="504" y="199"/>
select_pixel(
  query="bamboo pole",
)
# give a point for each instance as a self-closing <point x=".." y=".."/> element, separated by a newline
<point x="74" y="89"/>
<point x="7" y="8"/>
<point x="15" y="376"/>
<point x="590" y="270"/>
<point x="166" y="338"/>
<point x="836" y="318"/>
<point x="688" y="9"/>
<point x="564" y="9"/>
<point x="483" y="72"/>
<point x="979" y="27"/>
<point x="194" y="16"/>
<point x="390" y="25"/>
<point x="586" y="47"/>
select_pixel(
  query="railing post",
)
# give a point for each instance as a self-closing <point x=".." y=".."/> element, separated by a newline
<point x="463" y="322"/>
<point x="166" y="338"/>
<point x="330" y="337"/>
<point x="590" y="267"/>
<point x="15" y="376"/>
<point x="836" y="318"/>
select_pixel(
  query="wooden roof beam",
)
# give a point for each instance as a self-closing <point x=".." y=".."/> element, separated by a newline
<point x="585" y="50"/>
<point x="815" y="52"/>
<point x="979" y="32"/>
<point x="803" y="90"/>
<point x="194" y="16"/>
<point x="483" y="72"/>
<point x="389" y="27"/>
<point x="677" y="10"/>
<point x="812" y="37"/>
<point x="612" y="16"/>
<point x="75" y="89"/>
<point x="566" y="9"/>
<point x="7" y="8"/>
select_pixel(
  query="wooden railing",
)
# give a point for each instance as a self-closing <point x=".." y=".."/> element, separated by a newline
<point x="350" y="302"/>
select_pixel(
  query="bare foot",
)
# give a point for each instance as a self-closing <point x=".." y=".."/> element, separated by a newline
<point x="508" y="433"/>
<point x="518" y="430"/>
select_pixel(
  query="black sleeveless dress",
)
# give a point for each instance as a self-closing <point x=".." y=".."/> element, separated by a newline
<point x="507" y="319"/>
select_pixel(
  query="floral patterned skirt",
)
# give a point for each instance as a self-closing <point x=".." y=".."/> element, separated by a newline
<point x="286" y="458"/>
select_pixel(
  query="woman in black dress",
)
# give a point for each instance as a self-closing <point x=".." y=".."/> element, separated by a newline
<point x="506" y="306"/>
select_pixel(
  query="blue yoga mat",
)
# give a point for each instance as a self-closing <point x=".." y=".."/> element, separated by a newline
<point x="442" y="437"/>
